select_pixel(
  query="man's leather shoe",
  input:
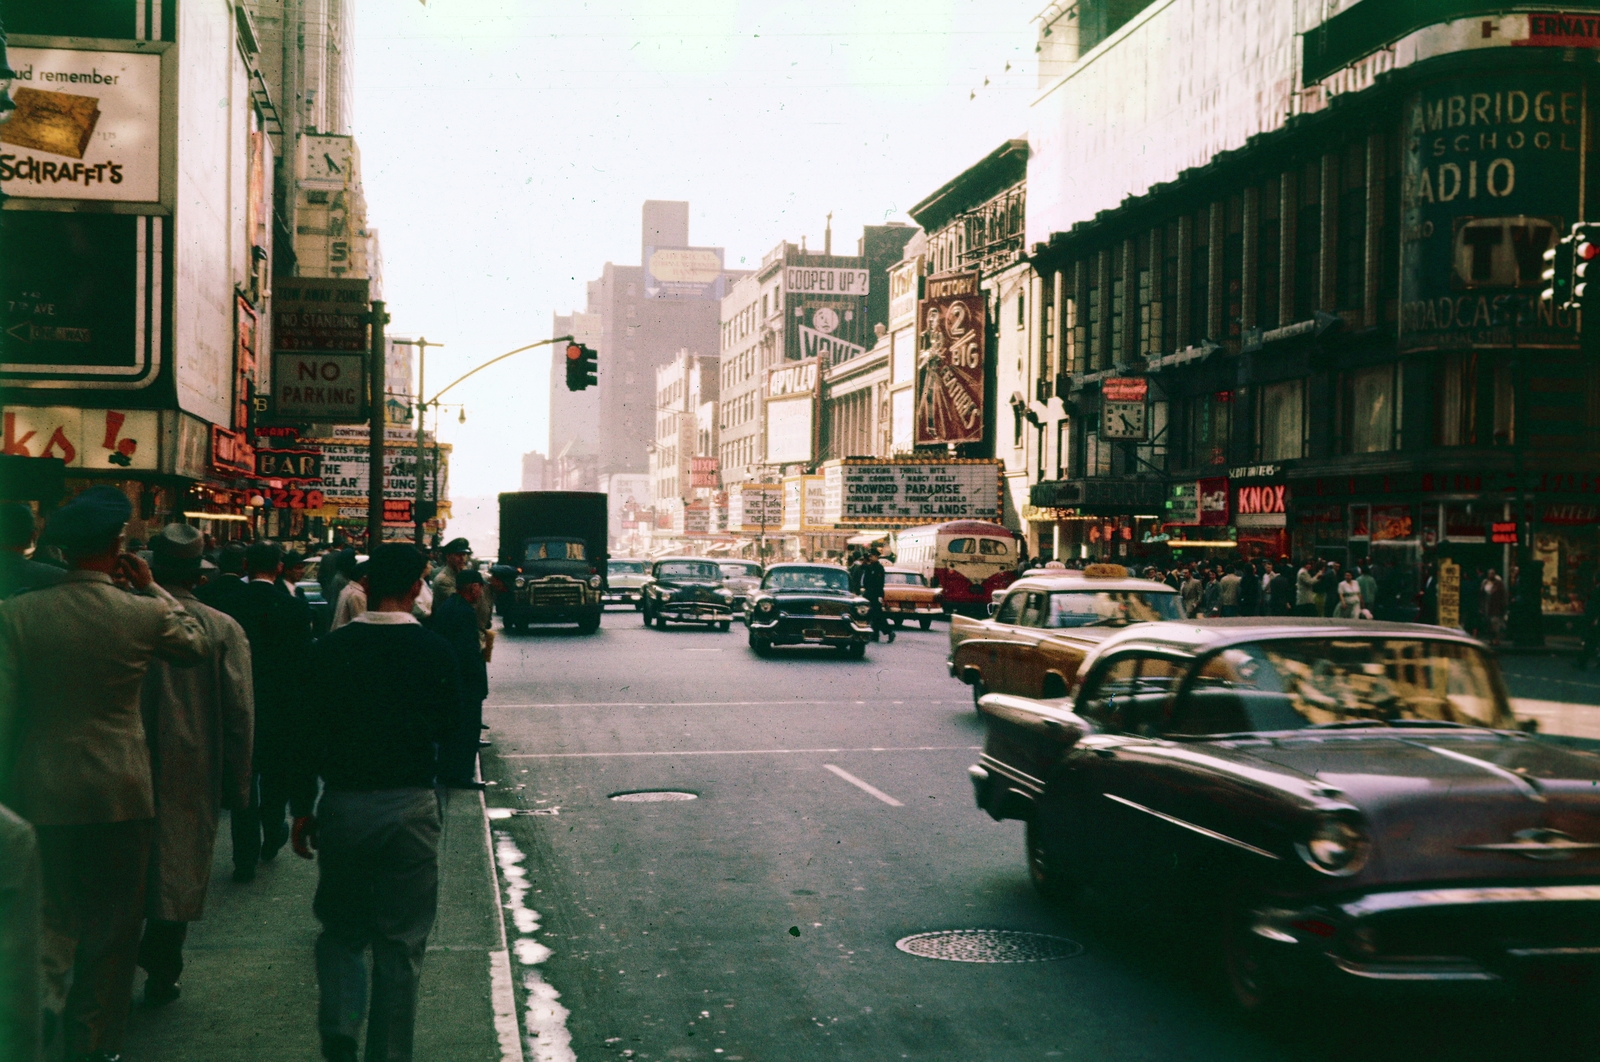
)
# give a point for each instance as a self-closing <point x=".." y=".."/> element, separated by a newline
<point x="463" y="784"/>
<point x="160" y="993"/>
<point x="244" y="874"/>
<point x="483" y="726"/>
<point x="890" y="636"/>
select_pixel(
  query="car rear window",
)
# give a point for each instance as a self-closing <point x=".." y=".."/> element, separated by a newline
<point x="625" y="568"/>
<point x="905" y="578"/>
<point x="807" y="579"/>
<point x="688" y="570"/>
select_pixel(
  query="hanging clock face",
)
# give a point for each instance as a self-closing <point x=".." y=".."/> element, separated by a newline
<point x="825" y="319"/>
<point x="1123" y="420"/>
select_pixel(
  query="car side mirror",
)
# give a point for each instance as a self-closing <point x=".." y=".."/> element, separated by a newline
<point x="1052" y="720"/>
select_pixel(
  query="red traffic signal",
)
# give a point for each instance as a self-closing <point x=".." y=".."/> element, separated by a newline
<point x="582" y="367"/>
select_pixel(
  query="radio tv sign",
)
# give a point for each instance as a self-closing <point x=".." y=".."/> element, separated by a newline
<point x="319" y="339"/>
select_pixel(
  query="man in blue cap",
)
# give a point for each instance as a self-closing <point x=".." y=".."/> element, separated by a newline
<point x="73" y="757"/>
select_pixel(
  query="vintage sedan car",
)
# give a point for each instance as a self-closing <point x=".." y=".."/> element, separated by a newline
<point x="625" y="579"/>
<point x="1046" y="624"/>
<point x="808" y="604"/>
<point x="742" y="577"/>
<point x="686" y="590"/>
<point x="907" y="595"/>
<point x="1349" y="803"/>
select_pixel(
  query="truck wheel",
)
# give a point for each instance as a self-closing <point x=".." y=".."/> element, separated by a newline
<point x="925" y="622"/>
<point x="1049" y="879"/>
<point x="589" y="624"/>
<point x="724" y="625"/>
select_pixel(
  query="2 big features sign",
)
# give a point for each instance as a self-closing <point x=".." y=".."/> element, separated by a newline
<point x="950" y="361"/>
<point x="1491" y="172"/>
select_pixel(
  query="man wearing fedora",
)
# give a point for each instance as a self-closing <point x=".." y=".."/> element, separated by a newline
<point x="73" y="757"/>
<point x="199" y="723"/>
<point x="457" y="556"/>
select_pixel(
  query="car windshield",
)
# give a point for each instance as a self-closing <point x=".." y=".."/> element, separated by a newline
<point x="807" y="579"/>
<point x="905" y="578"/>
<point x="553" y="549"/>
<point x="1111" y="608"/>
<point x="1297" y="684"/>
<point x="625" y="568"/>
<point x="699" y="570"/>
<point x="731" y="570"/>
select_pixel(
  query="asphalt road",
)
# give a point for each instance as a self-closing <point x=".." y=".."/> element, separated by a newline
<point x="833" y="817"/>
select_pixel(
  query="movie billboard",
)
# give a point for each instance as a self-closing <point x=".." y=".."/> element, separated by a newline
<point x="950" y="361"/>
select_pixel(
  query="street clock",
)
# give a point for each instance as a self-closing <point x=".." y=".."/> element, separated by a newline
<point x="1124" y="420"/>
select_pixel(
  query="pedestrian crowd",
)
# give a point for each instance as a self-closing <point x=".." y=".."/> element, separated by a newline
<point x="144" y="691"/>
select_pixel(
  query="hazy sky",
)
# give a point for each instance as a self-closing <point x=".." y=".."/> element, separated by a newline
<point x="507" y="146"/>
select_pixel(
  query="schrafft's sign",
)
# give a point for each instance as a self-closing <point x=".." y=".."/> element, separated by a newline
<point x="950" y="361"/>
<point x="87" y="126"/>
<point x="84" y="438"/>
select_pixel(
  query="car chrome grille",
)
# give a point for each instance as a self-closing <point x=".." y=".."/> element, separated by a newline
<point x="555" y="594"/>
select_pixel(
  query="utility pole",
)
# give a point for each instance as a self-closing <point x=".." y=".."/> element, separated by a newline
<point x="422" y="346"/>
<point x="378" y="319"/>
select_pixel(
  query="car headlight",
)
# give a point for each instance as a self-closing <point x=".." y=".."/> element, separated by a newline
<point x="521" y="582"/>
<point x="765" y="606"/>
<point x="594" y="581"/>
<point x="862" y="610"/>
<point x="1335" y="847"/>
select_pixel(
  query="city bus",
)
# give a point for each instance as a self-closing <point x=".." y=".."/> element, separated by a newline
<point x="968" y="559"/>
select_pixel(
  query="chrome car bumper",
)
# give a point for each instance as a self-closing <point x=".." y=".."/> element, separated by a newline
<point x="1491" y="936"/>
<point x="620" y="597"/>
<point x="822" y="630"/>
<point x="690" y="611"/>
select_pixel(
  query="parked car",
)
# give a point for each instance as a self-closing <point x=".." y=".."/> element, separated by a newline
<point x="742" y="577"/>
<point x="1348" y="803"/>
<point x="1046" y="624"/>
<point x="907" y="595"/>
<point x="686" y="590"/>
<point x="808" y="604"/>
<point x="625" y="579"/>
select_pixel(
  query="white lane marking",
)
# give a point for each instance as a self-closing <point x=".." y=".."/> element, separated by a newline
<point x="863" y="786"/>
<point x="731" y="752"/>
<point x="684" y="704"/>
<point x="702" y="650"/>
<point x="502" y="1000"/>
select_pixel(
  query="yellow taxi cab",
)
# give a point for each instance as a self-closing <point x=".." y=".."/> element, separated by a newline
<point x="907" y="596"/>
<point x="1047" y="622"/>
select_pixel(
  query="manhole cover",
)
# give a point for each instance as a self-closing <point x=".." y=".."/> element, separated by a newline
<point x="653" y="796"/>
<point x="988" y="945"/>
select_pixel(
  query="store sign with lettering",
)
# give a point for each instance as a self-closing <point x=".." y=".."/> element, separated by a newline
<point x="289" y="464"/>
<point x="907" y="493"/>
<point x="800" y="280"/>
<point x="950" y="361"/>
<point x="1256" y="500"/>
<point x="109" y="439"/>
<point x="231" y="453"/>
<point x="1487" y="160"/>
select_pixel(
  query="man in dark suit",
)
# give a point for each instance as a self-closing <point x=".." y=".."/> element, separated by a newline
<point x="17" y="572"/>
<point x="455" y="619"/>
<point x="225" y="590"/>
<point x="872" y="590"/>
<point x="279" y="628"/>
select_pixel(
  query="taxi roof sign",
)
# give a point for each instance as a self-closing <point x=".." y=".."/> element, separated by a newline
<point x="1105" y="571"/>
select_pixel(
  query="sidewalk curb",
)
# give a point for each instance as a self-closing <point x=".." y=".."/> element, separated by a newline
<point x="502" y="996"/>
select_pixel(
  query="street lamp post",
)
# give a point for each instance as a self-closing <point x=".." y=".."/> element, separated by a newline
<point x="422" y="346"/>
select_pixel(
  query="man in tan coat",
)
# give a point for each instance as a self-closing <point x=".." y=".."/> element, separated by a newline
<point x="73" y="759"/>
<point x="199" y="723"/>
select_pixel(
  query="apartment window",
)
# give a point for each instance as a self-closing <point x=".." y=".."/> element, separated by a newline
<point x="1233" y="266"/>
<point x="1144" y="295"/>
<point x="1092" y="267"/>
<point x="1118" y="304"/>
<point x="1308" y="244"/>
<point x="1269" y="254"/>
<point x="1282" y="421"/>
<point x="1167" y="340"/>
<point x="1370" y="409"/>
<point x="1505" y="404"/>
<point x="1456" y="400"/>
<point x="1351" y="278"/>
<point x="1209" y="422"/>
<point x="1199" y="279"/>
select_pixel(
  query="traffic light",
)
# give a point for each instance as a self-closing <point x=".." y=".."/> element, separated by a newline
<point x="582" y="367"/>
<point x="1557" y="275"/>
<point x="1585" y="263"/>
